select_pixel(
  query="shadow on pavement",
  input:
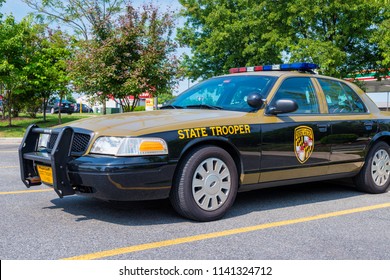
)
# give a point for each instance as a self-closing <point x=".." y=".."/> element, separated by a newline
<point x="160" y="211"/>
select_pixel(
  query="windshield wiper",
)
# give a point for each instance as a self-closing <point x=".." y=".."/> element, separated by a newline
<point x="170" y="107"/>
<point x="204" y="106"/>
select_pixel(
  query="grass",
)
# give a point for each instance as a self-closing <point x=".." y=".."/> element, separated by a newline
<point x="20" y="124"/>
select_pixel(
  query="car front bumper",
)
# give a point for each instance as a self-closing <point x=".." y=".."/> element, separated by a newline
<point x="103" y="177"/>
<point x="121" y="179"/>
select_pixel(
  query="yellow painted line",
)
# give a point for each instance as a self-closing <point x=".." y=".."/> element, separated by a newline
<point x="27" y="191"/>
<point x="10" y="166"/>
<point x="189" y="239"/>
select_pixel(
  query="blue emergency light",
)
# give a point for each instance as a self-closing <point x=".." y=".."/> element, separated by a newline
<point x="297" y="66"/>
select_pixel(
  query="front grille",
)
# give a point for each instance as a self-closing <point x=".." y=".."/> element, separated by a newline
<point x="80" y="142"/>
<point x="79" y="145"/>
<point x="53" y="139"/>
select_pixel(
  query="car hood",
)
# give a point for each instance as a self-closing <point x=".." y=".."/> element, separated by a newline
<point x="141" y="123"/>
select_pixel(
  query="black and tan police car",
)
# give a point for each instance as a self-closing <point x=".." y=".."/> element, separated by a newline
<point x="257" y="127"/>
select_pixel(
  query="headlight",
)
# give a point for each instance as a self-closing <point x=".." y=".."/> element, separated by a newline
<point x="124" y="146"/>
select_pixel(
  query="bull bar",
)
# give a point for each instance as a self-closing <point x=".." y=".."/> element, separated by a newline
<point x="58" y="158"/>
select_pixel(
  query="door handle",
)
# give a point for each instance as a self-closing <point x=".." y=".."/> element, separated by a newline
<point x="368" y="125"/>
<point x="323" y="127"/>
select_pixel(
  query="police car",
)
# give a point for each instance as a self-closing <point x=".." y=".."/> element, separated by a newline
<point x="256" y="127"/>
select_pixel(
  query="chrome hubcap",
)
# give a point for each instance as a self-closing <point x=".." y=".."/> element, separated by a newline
<point x="380" y="167"/>
<point x="211" y="184"/>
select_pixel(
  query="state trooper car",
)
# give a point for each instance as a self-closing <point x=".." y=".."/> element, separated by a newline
<point x="257" y="127"/>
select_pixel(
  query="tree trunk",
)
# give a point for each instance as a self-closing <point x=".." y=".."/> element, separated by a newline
<point x="59" y="111"/>
<point x="9" y="105"/>
<point x="104" y="106"/>
<point x="44" y="109"/>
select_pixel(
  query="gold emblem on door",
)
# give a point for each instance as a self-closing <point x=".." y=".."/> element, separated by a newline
<point x="304" y="143"/>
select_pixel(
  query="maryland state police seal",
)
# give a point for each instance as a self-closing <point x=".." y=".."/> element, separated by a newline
<point x="304" y="143"/>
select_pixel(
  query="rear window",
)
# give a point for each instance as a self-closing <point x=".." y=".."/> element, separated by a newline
<point x="341" y="99"/>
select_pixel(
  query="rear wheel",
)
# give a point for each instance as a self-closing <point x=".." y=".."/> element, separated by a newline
<point x="374" y="177"/>
<point x="206" y="184"/>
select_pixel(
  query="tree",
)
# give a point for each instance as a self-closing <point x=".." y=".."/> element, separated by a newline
<point x="136" y="58"/>
<point x="83" y="16"/>
<point x="45" y="73"/>
<point x="145" y="54"/>
<point x="228" y="33"/>
<point x="382" y="38"/>
<point x="90" y="19"/>
<point x="92" y="68"/>
<point x="14" y="50"/>
<point x="334" y="33"/>
<point x="32" y="64"/>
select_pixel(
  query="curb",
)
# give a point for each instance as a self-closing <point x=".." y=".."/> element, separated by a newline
<point x="10" y="140"/>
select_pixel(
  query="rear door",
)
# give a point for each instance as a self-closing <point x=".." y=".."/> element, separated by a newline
<point x="352" y="126"/>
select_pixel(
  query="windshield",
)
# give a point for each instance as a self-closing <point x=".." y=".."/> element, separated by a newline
<point x="226" y="93"/>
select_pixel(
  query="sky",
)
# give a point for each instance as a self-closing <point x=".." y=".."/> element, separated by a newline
<point x="15" y="7"/>
<point x="19" y="10"/>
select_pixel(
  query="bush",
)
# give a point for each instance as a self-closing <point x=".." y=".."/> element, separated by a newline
<point x="139" y="108"/>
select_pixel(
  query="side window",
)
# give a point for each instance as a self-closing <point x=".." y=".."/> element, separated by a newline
<point x="301" y="90"/>
<point x="341" y="99"/>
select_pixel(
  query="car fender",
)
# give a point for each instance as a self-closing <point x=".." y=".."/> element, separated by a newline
<point x="381" y="136"/>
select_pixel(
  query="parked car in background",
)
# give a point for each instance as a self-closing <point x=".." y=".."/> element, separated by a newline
<point x="66" y="107"/>
<point x="85" y="108"/>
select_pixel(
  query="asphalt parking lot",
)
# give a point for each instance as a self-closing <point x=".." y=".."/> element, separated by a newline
<point x="312" y="221"/>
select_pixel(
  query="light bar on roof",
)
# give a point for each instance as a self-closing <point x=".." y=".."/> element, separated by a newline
<point x="297" y="66"/>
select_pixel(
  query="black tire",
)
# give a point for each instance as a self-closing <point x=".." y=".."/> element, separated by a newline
<point x="206" y="184"/>
<point x="374" y="177"/>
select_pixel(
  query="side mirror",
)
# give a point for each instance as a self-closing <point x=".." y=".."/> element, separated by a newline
<point x="255" y="100"/>
<point x="282" y="106"/>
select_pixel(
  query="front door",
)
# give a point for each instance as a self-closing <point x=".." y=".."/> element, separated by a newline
<point x="293" y="145"/>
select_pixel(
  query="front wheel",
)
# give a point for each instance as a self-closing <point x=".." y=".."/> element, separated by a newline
<point x="374" y="177"/>
<point x="206" y="184"/>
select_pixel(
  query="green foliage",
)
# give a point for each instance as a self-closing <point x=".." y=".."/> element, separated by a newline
<point x="335" y="34"/>
<point x="228" y="33"/>
<point x="165" y="97"/>
<point x="15" y="53"/>
<point x="382" y="37"/>
<point x="139" y="108"/>
<point x="46" y="73"/>
<point x="137" y="57"/>
<point x="343" y="37"/>
<point x="145" y="50"/>
<point x="33" y="64"/>
<point x="32" y="107"/>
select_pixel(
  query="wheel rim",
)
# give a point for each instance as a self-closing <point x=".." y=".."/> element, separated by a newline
<point x="380" y="167"/>
<point x="211" y="184"/>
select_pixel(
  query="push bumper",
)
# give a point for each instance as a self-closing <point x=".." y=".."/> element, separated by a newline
<point x="57" y="159"/>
